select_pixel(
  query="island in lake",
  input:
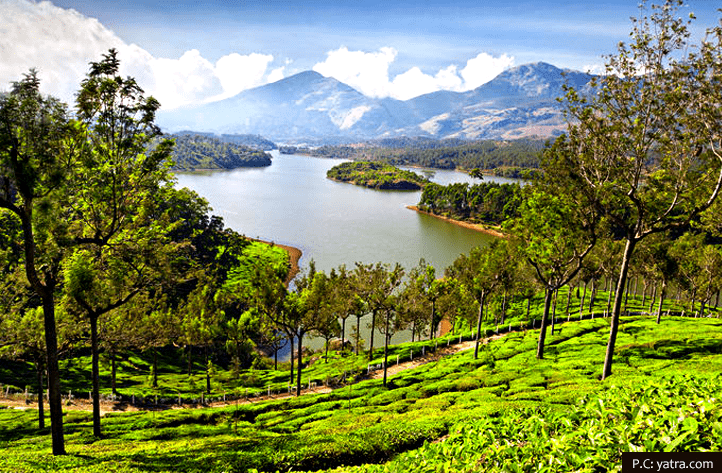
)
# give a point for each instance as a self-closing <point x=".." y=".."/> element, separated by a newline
<point x="376" y="175"/>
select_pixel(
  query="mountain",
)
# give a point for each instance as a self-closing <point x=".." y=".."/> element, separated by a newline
<point x="519" y="102"/>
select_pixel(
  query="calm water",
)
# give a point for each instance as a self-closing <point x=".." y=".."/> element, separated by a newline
<point x="292" y="203"/>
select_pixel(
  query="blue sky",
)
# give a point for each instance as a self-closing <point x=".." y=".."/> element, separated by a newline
<point x="189" y="52"/>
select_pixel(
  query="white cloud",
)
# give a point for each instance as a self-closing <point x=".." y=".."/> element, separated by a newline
<point x="483" y="68"/>
<point x="597" y="69"/>
<point x="368" y="72"/>
<point x="60" y="43"/>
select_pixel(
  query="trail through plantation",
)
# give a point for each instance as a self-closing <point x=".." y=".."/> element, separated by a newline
<point x="81" y="404"/>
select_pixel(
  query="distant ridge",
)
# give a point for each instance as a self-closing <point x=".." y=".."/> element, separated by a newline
<point x="520" y="102"/>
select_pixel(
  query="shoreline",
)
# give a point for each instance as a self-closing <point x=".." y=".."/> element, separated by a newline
<point x="471" y="226"/>
<point x="294" y="256"/>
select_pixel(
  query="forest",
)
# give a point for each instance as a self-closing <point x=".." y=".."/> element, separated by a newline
<point x="590" y="330"/>
<point x="490" y="155"/>
<point x="376" y="176"/>
<point x="487" y="203"/>
<point x="191" y="152"/>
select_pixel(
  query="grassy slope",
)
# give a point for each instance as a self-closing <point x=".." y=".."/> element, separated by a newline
<point x="366" y="423"/>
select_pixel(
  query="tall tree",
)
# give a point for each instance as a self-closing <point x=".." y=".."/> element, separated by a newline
<point x="555" y="235"/>
<point x="113" y="194"/>
<point x="36" y="155"/>
<point x="646" y="145"/>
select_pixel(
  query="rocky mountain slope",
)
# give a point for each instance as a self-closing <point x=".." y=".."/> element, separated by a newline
<point x="519" y="102"/>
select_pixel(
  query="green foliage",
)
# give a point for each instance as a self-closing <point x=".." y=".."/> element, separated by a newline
<point x="487" y="202"/>
<point x="376" y="175"/>
<point x="446" y="154"/>
<point x="193" y="152"/>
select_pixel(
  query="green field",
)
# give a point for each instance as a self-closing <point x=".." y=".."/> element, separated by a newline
<point x="506" y="411"/>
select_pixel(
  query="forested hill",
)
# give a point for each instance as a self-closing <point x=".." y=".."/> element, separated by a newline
<point x="441" y="154"/>
<point x="207" y="152"/>
<point x="251" y="141"/>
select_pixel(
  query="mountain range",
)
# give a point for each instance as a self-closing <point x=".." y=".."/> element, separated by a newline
<point x="308" y="107"/>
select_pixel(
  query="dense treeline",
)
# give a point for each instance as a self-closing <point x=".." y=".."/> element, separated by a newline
<point x="208" y="152"/>
<point x="457" y="154"/>
<point x="487" y="202"/>
<point x="376" y="176"/>
<point x="250" y="141"/>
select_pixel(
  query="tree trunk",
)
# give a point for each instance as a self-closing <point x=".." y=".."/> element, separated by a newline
<point x="291" y="337"/>
<point x="626" y="294"/>
<point x="343" y="334"/>
<point x="543" y="329"/>
<point x="609" y="300"/>
<point x="593" y="295"/>
<point x="654" y="297"/>
<point x="113" y="374"/>
<point x="190" y="360"/>
<point x="694" y="301"/>
<point x="478" y="324"/>
<point x="96" y="373"/>
<point x="358" y="333"/>
<point x="554" y="309"/>
<point x="300" y="361"/>
<point x="54" y="399"/>
<point x="528" y="307"/>
<point x="503" y="308"/>
<point x="373" y="329"/>
<point x="569" y="299"/>
<point x="386" y="344"/>
<point x="413" y="330"/>
<point x="208" y="372"/>
<point x="433" y="318"/>
<point x="661" y="301"/>
<point x="581" y="303"/>
<point x="41" y="409"/>
<point x="155" y="367"/>
<point x="609" y="356"/>
<point x="645" y="286"/>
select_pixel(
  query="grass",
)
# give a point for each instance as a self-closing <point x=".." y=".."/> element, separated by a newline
<point x="500" y="406"/>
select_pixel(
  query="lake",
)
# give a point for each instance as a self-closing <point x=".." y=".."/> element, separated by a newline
<point x="292" y="203"/>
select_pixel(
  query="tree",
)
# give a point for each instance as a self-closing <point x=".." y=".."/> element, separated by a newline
<point x="646" y="146"/>
<point x="555" y="234"/>
<point x="481" y="273"/>
<point x="37" y="152"/>
<point x="427" y="290"/>
<point x="376" y="284"/>
<point x="309" y="309"/>
<point x="118" y="248"/>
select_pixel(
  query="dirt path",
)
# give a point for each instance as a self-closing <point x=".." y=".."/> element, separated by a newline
<point x="108" y="406"/>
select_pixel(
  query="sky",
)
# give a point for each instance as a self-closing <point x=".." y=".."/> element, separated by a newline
<point x="186" y="53"/>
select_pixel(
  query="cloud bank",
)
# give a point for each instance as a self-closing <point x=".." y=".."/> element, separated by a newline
<point x="60" y="43"/>
<point x="369" y="73"/>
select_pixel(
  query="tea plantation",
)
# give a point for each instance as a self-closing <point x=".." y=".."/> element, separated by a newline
<point x="506" y="411"/>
